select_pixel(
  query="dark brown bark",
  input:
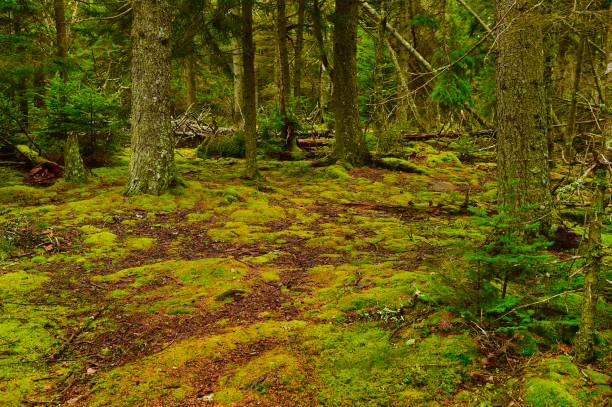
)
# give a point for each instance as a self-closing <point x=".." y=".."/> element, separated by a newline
<point x="350" y="145"/>
<point x="522" y="153"/>
<point x="152" y="163"/>
<point x="249" y="109"/>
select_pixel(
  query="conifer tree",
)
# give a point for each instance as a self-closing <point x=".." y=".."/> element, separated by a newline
<point x="152" y="163"/>
<point x="349" y="145"/>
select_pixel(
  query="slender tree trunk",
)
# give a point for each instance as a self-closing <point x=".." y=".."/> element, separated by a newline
<point x="349" y="145"/>
<point x="61" y="37"/>
<point x="325" y="71"/>
<point x="190" y="73"/>
<point x="380" y="122"/>
<point x="249" y="108"/>
<point x="522" y="153"/>
<point x="299" y="45"/>
<point x="237" y="70"/>
<point x="571" y="127"/>
<point x="284" y="88"/>
<point x="585" y="340"/>
<point x="404" y="94"/>
<point x="74" y="169"/>
<point x="152" y="163"/>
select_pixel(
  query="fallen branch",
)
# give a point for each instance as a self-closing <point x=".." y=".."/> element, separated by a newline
<point x="451" y="134"/>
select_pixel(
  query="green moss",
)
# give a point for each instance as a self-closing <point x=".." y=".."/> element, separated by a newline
<point x="547" y="393"/>
<point x="273" y="367"/>
<point x="179" y="285"/>
<point x="257" y="212"/>
<point x="445" y="157"/>
<point x="139" y="243"/>
<point x="39" y="260"/>
<point x="360" y="366"/>
<point x="264" y="258"/>
<point x="149" y="378"/>
<point x="336" y="172"/>
<point x="102" y="239"/>
<point x="403" y="165"/>
<point x="22" y="280"/>
<point x="19" y="194"/>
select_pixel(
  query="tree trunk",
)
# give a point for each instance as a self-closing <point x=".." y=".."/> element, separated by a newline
<point x="522" y="153"/>
<point x="284" y="87"/>
<point x="349" y="145"/>
<point x="74" y="170"/>
<point x="380" y="122"/>
<point x="585" y="340"/>
<point x="152" y="163"/>
<point x="190" y="73"/>
<point x="61" y="37"/>
<point x="325" y="69"/>
<point x="299" y="45"/>
<point x="237" y="70"/>
<point x="249" y="108"/>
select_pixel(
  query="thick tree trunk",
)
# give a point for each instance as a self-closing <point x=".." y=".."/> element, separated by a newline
<point x="249" y="108"/>
<point x="522" y="153"/>
<point x="284" y="83"/>
<point x="237" y="71"/>
<point x="299" y="45"/>
<point x="350" y="145"/>
<point x="152" y="163"/>
<point x="74" y="170"/>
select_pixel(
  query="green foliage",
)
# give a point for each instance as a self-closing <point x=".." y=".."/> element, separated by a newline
<point x="453" y="88"/>
<point x="512" y="253"/>
<point x="75" y="107"/>
<point x="224" y="146"/>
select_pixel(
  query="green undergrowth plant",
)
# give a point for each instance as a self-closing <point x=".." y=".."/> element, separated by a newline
<point x="517" y="287"/>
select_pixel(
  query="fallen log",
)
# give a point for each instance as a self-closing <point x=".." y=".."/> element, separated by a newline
<point x="451" y="134"/>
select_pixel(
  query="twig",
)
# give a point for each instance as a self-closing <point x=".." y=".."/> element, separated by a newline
<point x="537" y="302"/>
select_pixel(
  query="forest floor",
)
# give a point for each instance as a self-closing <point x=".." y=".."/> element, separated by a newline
<point x="328" y="287"/>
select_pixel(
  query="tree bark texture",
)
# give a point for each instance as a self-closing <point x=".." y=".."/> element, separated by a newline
<point x="349" y="145"/>
<point x="249" y="108"/>
<point x="237" y="71"/>
<point x="284" y="87"/>
<point x="299" y="46"/>
<point x="585" y="340"/>
<point x="74" y="170"/>
<point x="522" y="153"/>
<point x="152" y="163"/>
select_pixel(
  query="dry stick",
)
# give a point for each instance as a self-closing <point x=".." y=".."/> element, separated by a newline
<point x="537" y="302"/>
<point x="397" y="35"/>
<point x="476" y="16"/>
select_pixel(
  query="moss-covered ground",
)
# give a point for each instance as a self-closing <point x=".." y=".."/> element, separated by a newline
<point x="326" y="287"/>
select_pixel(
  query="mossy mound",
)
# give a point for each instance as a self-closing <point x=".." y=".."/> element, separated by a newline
<point x="560" y="382"/>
